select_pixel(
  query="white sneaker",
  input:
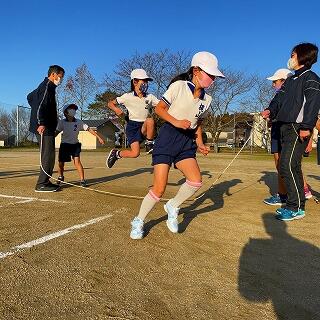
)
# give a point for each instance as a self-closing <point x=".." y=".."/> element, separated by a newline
<point x="136" y="229"/>
<point x="172" y="222"/>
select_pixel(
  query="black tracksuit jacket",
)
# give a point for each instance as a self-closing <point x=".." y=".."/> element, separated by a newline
<point x="298" y="101"/>
<point x="43" y="107"/>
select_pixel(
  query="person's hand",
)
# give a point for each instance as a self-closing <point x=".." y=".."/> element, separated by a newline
<point x="41" y="129"/>
<point x="203" y="149"/>
<point x="182" y="124"/>
<point x="304" y="134"/>
<point x="101" y="140"/>
<point x="308" y="148"/>
<point x="265" y="114"/>
<point x="118" y="112"/>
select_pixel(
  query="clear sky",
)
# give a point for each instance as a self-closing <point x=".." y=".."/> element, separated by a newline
<point x="250" y="35"/>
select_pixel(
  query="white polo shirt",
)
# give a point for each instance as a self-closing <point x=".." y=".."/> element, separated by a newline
<point x="182" y="104"/>
<point x="138" y="108"/>
<point x="70" y="130"/>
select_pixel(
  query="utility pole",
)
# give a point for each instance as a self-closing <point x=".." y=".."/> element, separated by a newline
<point x="17" y="127"/>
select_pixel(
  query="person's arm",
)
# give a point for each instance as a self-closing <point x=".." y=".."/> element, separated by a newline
<point x="44" y="105"/>
<point x="310" y="108"/>
<point x="274" y="106"/>
<point x="318" y="126"/>
<point x="201" y="146"/>
<point x="56" y="133"/>
<point x="100" y="139"/>
<point x="113" y="105"/>
<point x="162" y="111"/>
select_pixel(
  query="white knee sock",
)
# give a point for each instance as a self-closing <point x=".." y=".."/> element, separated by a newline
<point x="147" y="204"/>
<point x="188" y="189"/>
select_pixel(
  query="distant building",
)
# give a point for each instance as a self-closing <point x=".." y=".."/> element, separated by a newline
<point x="7" y="141"/>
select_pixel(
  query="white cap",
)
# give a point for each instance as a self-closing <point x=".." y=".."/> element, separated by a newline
<point x="140" y="74"/>
<point x="65" y="107"/>
<point x="207" y="62"/>
<point x="280" y="74"/>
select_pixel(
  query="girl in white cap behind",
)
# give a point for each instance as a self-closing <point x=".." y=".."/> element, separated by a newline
<point x="139" y="126"/>
<point x="183" y="106"/>
<point x="70" y="146"/>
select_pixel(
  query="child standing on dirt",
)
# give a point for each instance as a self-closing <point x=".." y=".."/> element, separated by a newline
<point x="296" y="109"/>
<point x="280" y="198"/>
<point x="183" y="106"/>
<point x="70" y="145"/>
<point x="139" y="125"/>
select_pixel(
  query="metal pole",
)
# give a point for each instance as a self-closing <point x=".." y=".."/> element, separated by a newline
<point x="17" y="127"/>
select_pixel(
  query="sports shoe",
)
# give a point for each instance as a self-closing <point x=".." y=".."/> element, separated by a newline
<point x="47" y="188"/>
<point x="285" y="214"/>
<point x="172" y="222"/>
<point x="60" y="179"/>
<point x="112" y="158"/>
<point x="307" y="193"/>
<point x="83" y="183"/>
<point x="274" y="200"/>
<point x="136" y="229"/>
<point x="149" y="148"/>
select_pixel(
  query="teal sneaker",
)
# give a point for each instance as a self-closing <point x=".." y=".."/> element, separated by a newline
<point x="274" y="200"/>
<point x="136" y="229"/>
<point x="285" y="214"/>
<point x="172" y="222"/>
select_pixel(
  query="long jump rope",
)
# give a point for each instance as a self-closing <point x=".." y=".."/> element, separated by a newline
<point x="120" y="195"/>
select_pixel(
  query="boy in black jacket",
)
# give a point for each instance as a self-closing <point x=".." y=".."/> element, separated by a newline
<point x="43" y="122"/>
<point x="296" y="109"/>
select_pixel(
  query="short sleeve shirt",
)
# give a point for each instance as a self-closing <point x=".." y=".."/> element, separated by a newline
<point x="137" y="107"/>
<point x="182" y="104"/>
<point x="70" y="130"/>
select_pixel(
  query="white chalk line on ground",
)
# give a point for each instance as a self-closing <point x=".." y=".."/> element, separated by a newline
<point x="27" y="200"/>
<point x="50" y="236"/>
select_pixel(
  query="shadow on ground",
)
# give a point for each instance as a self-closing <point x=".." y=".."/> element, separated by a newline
<point x="282" y="269"/>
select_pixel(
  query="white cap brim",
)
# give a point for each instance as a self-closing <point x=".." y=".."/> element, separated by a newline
<point x="212" y="71"/>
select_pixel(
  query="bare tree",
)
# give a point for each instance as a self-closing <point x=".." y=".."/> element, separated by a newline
<point x="79" y="88"/>
<point x="161" y="66"/>
<point x="227" y="96"/>
<point x="7" y="123"/>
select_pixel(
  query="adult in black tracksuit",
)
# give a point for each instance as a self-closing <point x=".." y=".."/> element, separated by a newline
<point x="43" y="122"/>
<point x="296" y="108"/>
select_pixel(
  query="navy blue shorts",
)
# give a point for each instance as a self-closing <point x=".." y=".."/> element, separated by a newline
<point x="173" y="145"/>
<point x="68" y="150"/>
<point x="133" y="131"/>
<point x="275" y="138"/>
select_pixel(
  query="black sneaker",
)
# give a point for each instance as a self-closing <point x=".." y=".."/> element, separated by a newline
<point x="60" y="178"/>
<point x="83" y="183"/>
<point x="149" y="148"/>
<point x="47" y="188"/>
<point x="112" y="158"/>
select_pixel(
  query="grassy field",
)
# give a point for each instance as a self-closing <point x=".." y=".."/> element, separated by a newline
<point x="67" y="255"/>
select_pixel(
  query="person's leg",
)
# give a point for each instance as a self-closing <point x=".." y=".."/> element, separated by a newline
<point x="159" y="185"/>
<point x="190" y="169"/>
<point x="47" y="148"/>
<point x="61" y="169"/>
<point x="147" y="129"/>
<point x="79" y="167"/>
<point x="133" y="152"/>
<point x="281" y="186"/>
<point x="290" y="168"/>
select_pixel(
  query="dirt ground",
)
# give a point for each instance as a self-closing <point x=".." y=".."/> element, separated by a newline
<point x="230" y="260"/>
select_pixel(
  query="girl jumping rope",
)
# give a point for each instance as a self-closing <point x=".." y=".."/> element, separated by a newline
<point x="138" y="103"/>
<point x="182" y="107"/>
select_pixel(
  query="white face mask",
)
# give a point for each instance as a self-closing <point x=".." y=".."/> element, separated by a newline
<point x="292" y="63"/>
<point x="57" y="82"/>
<point x="72" y="112"/>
